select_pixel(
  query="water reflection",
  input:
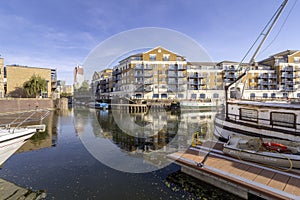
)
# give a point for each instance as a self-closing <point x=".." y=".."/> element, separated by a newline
<point x="139" y="142"/>
<point x="45" y="139"/>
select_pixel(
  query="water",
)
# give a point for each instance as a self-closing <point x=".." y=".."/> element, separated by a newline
<point x="59" y="161"/>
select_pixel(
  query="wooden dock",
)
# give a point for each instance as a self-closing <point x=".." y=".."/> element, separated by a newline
<point x="10" y="191"/>
<point x="244" y="179"/>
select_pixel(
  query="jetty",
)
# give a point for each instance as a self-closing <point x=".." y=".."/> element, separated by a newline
<point x="242" y="178"/>
<point x="12" y="191"/>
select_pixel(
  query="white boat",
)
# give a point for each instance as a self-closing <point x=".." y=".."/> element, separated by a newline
<point x="15" y="133"/>
<point x="259" y="119"/>
<point x="271" y="119"/>
<point x="270" y="152"/>
<point x="12" y="140"/>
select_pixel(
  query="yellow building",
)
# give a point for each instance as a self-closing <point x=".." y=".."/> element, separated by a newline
<point x="17" y="75"/>
<point x="155" y="74"/>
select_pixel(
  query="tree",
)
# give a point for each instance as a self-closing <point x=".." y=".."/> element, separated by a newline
<point x="34" y="86"/>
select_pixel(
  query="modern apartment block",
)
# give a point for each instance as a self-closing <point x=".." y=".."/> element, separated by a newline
<point x="155" y="74"/>
<point x="162" y="74"/>
<point x="17" y="75"/>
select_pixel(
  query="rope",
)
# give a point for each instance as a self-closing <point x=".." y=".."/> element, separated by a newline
<point x="281" y="27"/>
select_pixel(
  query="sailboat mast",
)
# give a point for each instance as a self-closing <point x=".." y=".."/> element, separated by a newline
<point x="277" y="14"/>
<point x="252" y="60"/>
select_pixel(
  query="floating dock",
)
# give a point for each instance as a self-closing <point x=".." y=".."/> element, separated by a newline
<point x="242" y="178"/>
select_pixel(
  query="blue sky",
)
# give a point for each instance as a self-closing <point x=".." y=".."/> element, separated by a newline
<point x="61" y="33"/>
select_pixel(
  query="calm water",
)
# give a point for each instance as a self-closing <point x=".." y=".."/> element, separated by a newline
<point x="64" y="160"/>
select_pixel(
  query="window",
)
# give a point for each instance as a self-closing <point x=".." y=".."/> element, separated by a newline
<point x="202" y="96"/>
<point x="164" y="96"/>
<point x="152" y="57"/>
<point x="248" y="114"/>
<point x="265" y="95"/>
<point x="252" y="95"/>
<point x="215" y="95"/>
<point x="284" y="95"/>
<point x="296" y="59"/>
<point x="193" y="96"/>
<point x="166" y="57"/>
<point x="298" y="95"/>
<point x="283" y="119"/>
<point x="155" y="96"/>
<point x="273" y="95"/>
<point x="180" y="96"/>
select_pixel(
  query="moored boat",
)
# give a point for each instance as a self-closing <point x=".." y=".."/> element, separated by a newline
<point x="259" y="119"/>
<point x="11" y="141"/>
<point x="269" y="152"/>
<point x="271" y="119"/>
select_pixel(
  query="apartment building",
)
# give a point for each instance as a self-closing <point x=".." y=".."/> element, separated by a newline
<point x="17" y="75"/>
<point x="102" y="84"/>
<point x="154" y="74"/>
<point x="160" y="74"/>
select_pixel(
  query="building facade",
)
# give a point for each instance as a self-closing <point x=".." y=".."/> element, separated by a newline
<point x="78" y="77"/>
<point x="17" y="75"/>
<point x="162" y="74"/>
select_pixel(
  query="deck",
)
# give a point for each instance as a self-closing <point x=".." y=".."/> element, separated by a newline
<point x="239" y="177"/>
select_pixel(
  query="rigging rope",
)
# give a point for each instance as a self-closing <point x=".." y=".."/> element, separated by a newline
<point x="281" y="27"/>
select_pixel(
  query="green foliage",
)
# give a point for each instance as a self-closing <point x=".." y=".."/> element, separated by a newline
<point x="65" y="94"/>
<point x="34" y="86"/>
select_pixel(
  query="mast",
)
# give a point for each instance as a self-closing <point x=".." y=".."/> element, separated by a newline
<point x="268" y="27"/>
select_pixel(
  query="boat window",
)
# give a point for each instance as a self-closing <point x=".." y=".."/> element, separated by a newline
<point x="248" y="114"/>
<point x="252" y="95"/>
<point x="283" y="119"/>
<point x="194" y="96"/>
<point x="180" y="96"/>
<point x="265" y="95"/>
<point x="284" y="95"/>
<point x="215" y="95"/>
<point x="202" y="96"/>
<point x="298" y="95"/>
<point x="273" y="95"/>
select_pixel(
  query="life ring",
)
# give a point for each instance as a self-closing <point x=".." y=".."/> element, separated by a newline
<point x="273" y="146"/>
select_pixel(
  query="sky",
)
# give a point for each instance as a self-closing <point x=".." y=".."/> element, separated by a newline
<point x="61" y="34"/>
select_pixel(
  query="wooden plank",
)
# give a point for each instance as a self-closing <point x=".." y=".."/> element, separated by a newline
<point x="239" y="169"/>
<point x="251" y="173"/>
<point x="293" y="186"/>
<point x="279" y="181"/>
<point x="264" y="177"/>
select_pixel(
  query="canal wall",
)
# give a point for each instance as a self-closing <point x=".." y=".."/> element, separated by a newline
<point x="12" y="105"/>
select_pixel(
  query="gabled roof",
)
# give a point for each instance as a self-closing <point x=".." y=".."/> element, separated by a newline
<point x="160" y="47"/>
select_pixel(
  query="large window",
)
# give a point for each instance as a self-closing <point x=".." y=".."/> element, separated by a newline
<point x="248" y="114"/>
<point x="283" y="119"/>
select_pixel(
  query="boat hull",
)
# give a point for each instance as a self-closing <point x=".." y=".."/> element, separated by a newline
<point x="11" y="142"/>
<point x="223" y="129"/>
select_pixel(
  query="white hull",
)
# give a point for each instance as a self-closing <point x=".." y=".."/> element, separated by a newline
<point x="224" y="129"/>
<point x="11" y="142"/>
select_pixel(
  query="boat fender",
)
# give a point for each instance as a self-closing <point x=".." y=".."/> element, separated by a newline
<point x="273" y="146"/>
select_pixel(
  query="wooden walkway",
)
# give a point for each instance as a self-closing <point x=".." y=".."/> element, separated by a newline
<point x="239" y="177"/>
